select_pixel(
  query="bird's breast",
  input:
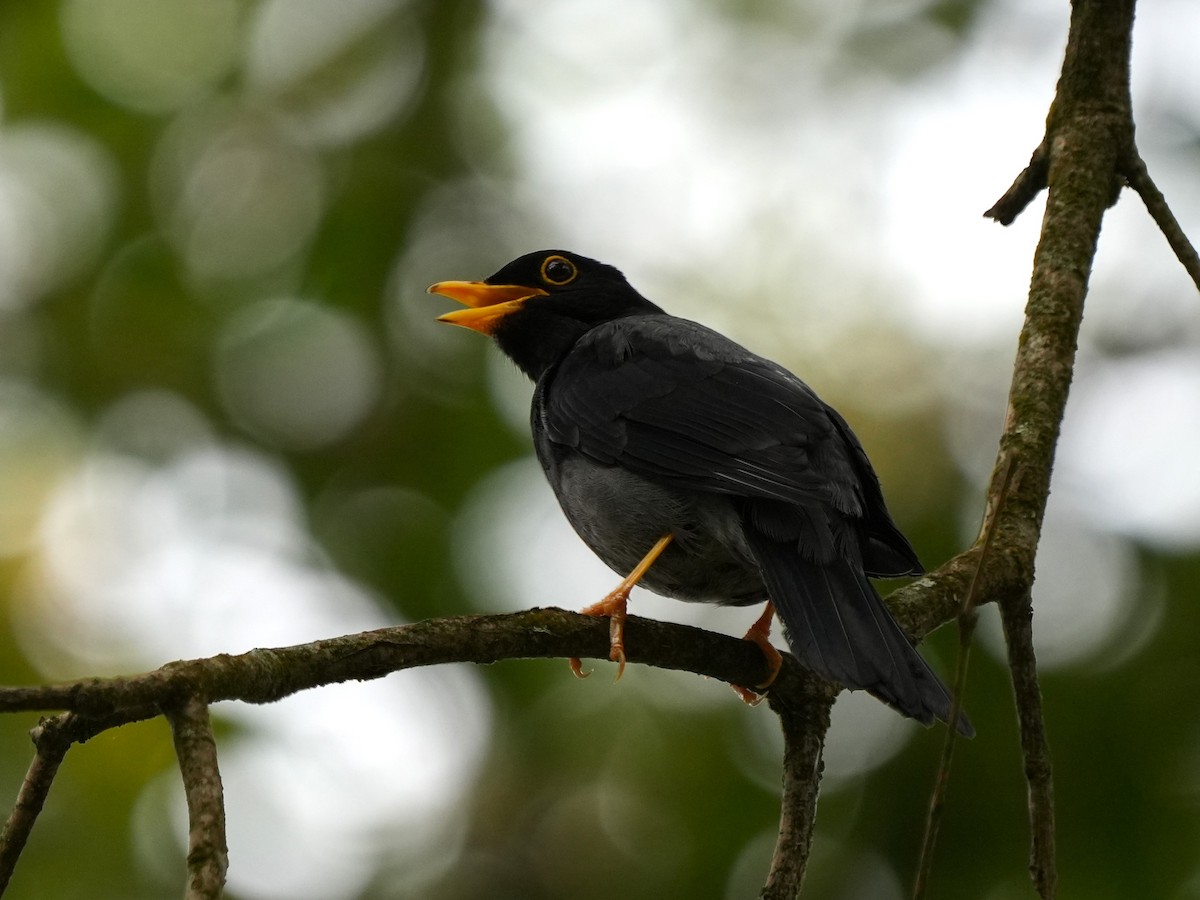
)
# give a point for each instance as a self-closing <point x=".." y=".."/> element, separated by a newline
<point x="620" y="515"/>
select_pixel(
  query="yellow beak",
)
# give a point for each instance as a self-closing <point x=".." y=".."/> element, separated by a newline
<point x="487" y="303"/>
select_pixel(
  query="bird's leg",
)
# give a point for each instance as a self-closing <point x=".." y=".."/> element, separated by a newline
<point x="760" y="633"/>
<point x="614" y="606"/>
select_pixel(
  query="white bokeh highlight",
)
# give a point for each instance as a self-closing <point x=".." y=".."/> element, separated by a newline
<point x="155" y="57"/>
<point x="336" y="72"/>
<point x="297" y="373"/>
<point x="58" y="200"/>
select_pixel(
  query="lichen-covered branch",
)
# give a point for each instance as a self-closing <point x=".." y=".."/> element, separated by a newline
<point x="266" y="675"/>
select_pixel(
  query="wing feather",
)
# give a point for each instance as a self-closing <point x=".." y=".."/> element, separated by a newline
<point x="671" y="399"/>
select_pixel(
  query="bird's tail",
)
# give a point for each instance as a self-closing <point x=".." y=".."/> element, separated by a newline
<point x="838" y="626"/>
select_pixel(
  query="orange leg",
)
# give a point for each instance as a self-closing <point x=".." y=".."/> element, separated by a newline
<point x="760" y="633"/>
<point x="614" y="606"/>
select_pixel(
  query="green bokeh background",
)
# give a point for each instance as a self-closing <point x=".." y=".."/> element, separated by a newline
<point x="560" y="807"/>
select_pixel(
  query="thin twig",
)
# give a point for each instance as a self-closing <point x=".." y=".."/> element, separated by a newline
<point x="52" y="747"/>
<point x="1139" y="179"/>
<point x="967" y="621"/>
<point x="196" y="748"/>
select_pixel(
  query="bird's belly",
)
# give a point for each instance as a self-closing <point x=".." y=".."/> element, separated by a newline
<point x="620" y="516"/>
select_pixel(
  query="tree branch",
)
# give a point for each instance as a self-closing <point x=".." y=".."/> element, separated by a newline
<point x="262" y="676"/>
<point x="266" y="675"/>
<point x="1089" y="133"/>
<point x="804" y="728"/>
<point x="196" y="748"/>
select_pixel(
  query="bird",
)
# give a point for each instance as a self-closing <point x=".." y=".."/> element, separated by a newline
<point x="698" y="469"/>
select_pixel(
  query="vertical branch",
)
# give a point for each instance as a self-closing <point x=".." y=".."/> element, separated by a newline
<point x="208" y="854"/>
<point x="804" y="730"/>
<point x="1089" y="133"/>
<point x="52" y="743"/>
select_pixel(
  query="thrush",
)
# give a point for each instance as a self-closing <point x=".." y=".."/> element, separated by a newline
<point x="704" y="472"/>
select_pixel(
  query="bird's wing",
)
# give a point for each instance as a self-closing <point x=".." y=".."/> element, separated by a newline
<point x="677" y="402"/>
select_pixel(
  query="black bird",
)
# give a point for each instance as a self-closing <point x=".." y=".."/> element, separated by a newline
<point x="704" y="471"/>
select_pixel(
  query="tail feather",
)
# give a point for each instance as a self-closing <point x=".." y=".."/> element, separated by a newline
<point x="838" y="626"/>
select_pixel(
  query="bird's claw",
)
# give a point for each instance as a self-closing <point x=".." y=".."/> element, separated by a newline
<point x="617" y="655"/>
<point x="576" y="665"/>
<point x="616" y="635"/>
<point x="612" y="606"/>
<point x="748" y="696"/>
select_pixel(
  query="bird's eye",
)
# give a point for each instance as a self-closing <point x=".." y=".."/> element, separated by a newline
<point x="558" y="270"/>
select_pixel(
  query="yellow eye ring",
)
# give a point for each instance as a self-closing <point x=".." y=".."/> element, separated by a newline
<point x="558" y="270"/>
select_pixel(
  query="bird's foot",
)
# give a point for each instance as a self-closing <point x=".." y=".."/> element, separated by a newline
<point x="614" y="606"/>
<point x="760" y="633"/>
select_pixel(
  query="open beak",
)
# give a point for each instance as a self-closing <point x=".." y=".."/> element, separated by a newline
<point x="487" y="303"/>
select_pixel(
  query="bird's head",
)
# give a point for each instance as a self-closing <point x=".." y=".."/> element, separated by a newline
<point x="540" y="304"/>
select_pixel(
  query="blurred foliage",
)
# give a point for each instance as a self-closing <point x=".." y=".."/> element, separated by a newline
<point x="224" y="240"/>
